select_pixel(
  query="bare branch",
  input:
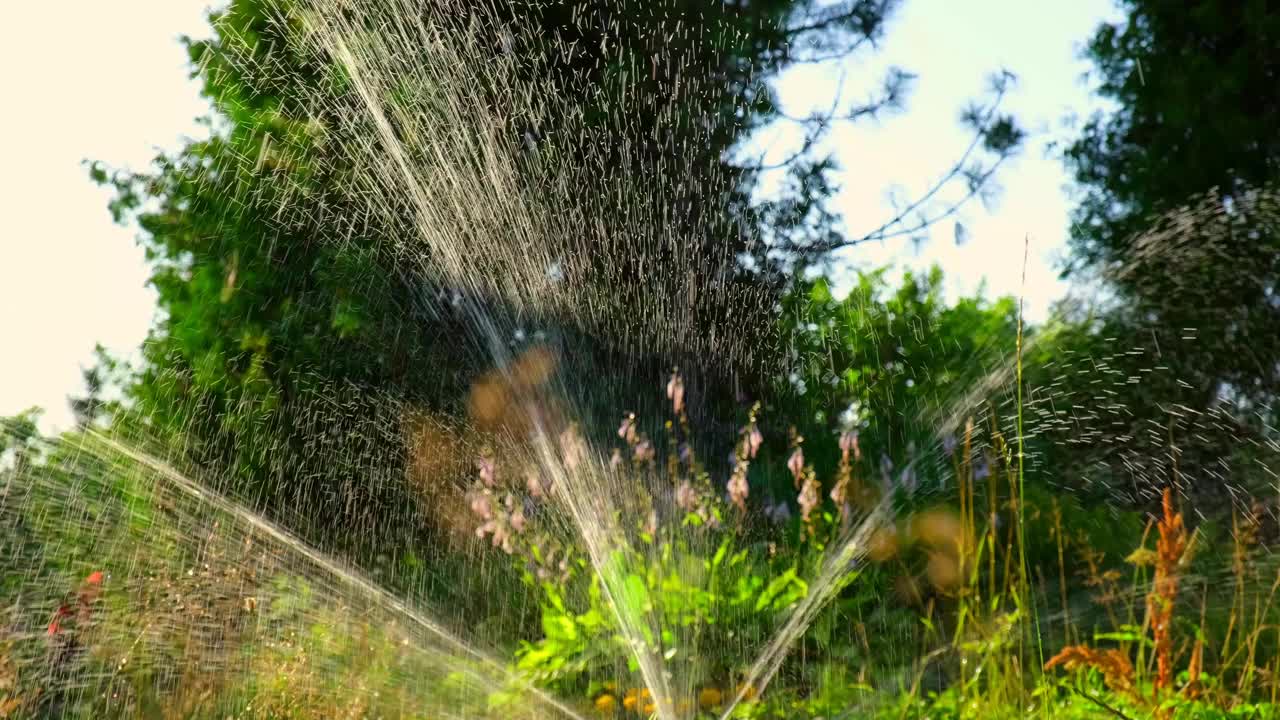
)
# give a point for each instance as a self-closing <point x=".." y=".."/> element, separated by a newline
<point x="817" y="124"/>
<point x="898" y="225"/>
<point x="857" y="11"/>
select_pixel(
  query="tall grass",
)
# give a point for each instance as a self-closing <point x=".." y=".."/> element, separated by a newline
<point x="986" y="579"/>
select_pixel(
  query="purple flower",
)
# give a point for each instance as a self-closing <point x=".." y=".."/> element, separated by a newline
<point x="778" y="513"/>
<point x="886" y="472"/>
<point x="908" y="479"/>
<point x="949" y="444"/>
<point x="981" y="469"/>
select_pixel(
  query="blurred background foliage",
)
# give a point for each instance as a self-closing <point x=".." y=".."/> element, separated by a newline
<point x="293" y="353"/>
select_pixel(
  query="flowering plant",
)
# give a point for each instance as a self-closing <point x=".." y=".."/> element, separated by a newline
<point x="705" y="572"/>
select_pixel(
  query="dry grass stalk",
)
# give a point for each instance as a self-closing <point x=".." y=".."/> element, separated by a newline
<point x="1114" y="665"/>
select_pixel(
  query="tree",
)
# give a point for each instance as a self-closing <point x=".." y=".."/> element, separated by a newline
<point x="293" y="342"/>
<point x="1194" y="88"/>
<point x="1178" y="214"/>
<point x="300" y="324"/>
<point x="1196" y="112"/>
<point x="900" y="367"/>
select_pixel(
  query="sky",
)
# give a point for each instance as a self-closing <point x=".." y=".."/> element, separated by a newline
<point x="109" y="81"/>
<point x="87" y="80"/>
<point x="954" y="47"/>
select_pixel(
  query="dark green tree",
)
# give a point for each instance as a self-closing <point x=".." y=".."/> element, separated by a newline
<point x="1195" y="89"/>
<point x="1178" y="215"/>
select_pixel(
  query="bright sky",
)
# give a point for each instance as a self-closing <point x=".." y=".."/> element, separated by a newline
<point x="108" y="81"/>
<point x="87" y="80"/>
<point x="954" y="47"/>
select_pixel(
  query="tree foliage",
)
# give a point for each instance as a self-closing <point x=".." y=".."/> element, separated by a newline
<point x="1178" y="216"/>
<point x="900" y="366"/>
<point x="291" y="342"/>
<point x="1194" y="87"/>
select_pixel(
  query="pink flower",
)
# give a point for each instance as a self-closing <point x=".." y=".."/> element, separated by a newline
<point x="502" y="526"/>
<point x="675" y="393"/>
<point x="738" y="490"/>
<point x="500" y="532"/>
<point x="796" y="463"/>
<point x="616" y="459"/>
<point x="686" y="497"/>
<point x="572" y="448"/>
<point x="627" y="430"/>
<point x="754" y="440"/>
<point x="481" y="507"/>
<point x="644" y="451"/>
<point x="808" y="499"/>
<point x="837" y="494"/>
<point x="533" y="484"/>
<point x="849" y="443"/>
<point x="487" y="471"/>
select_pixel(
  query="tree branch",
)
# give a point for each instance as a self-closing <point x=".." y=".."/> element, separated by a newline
<point x="839" y="17"/>
<point x="817" y="123"/>
<point x="895" y="226"/>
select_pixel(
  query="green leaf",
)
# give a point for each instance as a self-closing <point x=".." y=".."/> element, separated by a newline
<point x="636" y="593"/>
<point x="559" y="628"/>
<point x="720" y="554"/>
<point x="773" y="593"/>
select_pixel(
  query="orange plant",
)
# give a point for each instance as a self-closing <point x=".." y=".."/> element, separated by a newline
<point x="1115" y="667"/>
<point x="1169" y="549"/>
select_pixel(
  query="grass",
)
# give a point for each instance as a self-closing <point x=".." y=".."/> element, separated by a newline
<point x="200" y="617"/>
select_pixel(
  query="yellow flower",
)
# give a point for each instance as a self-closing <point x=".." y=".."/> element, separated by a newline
<point x="709" y="698"/>
<point x="1142" y="557"/>
<point x="748" y="692"/>
<point x="650" y="709"/>
<point x="629" y="701"/>
<point x="606" y="703"/>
